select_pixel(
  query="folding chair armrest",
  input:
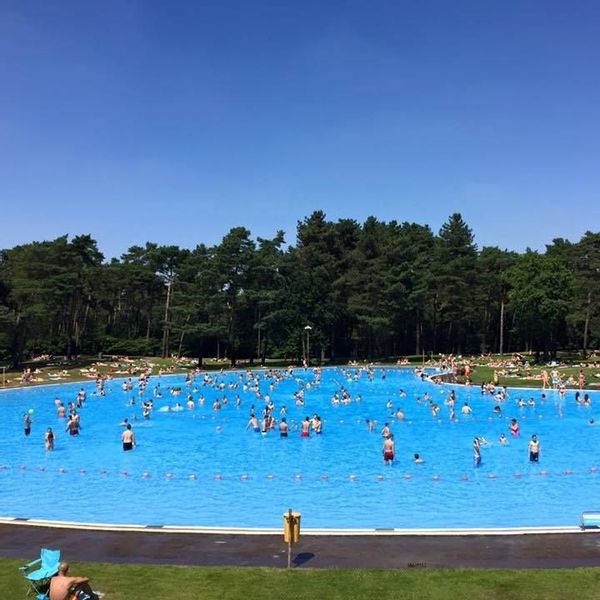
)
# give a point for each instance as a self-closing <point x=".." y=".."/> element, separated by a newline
<point x="29" y="565"/>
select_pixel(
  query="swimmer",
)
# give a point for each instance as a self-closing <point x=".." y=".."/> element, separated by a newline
<point x="26" y="424"/>
<point x="418" y="460"/>
<point x="514" y="428"/>
<point x="386" y="432"/>
<point x="370" y="425"/>
<point x="503" y="439"/>
<point x="317" y="425"/>
<point x="388" y="450"/>
<point x="476" y="453"/>
<point x="534" y="449"/>
<point x="305" y="432"/>
<point x="265" y="424"/>
<point x="466" y="409"/>
<point x="49" y="439"/>
<point x="128" y="438"/>
<point x="73" y="426"/>
<point x="283" y="428"/>
<point x="253" y="422"/>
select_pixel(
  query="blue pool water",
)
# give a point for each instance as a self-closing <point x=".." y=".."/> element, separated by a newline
<point x="338" y="479"/>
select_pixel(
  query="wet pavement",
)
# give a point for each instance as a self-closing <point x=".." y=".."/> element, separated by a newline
<point x="382" y="551"/>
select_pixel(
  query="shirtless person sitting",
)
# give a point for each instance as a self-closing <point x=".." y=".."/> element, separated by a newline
<point x="63" y="587"/>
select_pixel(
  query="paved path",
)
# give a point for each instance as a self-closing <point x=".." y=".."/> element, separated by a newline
<point x="388" y="552"/>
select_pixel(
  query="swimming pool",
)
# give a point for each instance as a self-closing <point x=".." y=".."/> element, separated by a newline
<point x="203" y="467"/>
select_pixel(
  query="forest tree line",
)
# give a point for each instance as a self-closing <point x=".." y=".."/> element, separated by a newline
<point x="371" y="290"/>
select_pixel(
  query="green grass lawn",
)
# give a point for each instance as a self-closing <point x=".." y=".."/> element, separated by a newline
<point x="531" y="377"/>
<point x="133" y="582"/>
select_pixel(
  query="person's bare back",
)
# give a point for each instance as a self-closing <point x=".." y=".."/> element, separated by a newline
<point x="63" y="587"/>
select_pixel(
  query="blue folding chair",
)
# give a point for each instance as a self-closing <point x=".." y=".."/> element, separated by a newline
<point x="39" y="579"/>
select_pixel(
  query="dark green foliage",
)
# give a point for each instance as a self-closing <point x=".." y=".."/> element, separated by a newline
<point x="366" y="290"/>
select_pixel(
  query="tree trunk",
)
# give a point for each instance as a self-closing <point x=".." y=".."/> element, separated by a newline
<point x="418" y="337"/>
<point x="166" y="325"/>
<point x="586" y="325"/>
<point x="187" y="320"/>
<point x="332" y="340"/>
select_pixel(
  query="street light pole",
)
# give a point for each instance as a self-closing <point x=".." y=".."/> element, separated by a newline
<point x="308" y="329"/>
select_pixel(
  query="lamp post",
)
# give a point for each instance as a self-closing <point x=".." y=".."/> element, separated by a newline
<point x="308" y="330"/>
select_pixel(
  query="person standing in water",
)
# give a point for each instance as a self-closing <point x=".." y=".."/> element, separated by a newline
<point x="534" y="449"/>
<point x="388" y="450"/>
<point x="26" y="424"/>
<point x="305" y="428"/>
<point x="49" y="439"/>
<point x="73" y="425"/>
<point x="476" y="452"/>
<point x="128" y="438"/>
<point x="283" y="428"/>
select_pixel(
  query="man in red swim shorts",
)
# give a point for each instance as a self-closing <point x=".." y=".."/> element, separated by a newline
<point x="388" y="450"/>
<point x="305" y="428"/>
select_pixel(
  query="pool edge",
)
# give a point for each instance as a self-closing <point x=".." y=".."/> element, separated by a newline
<point x="455" y="531"/>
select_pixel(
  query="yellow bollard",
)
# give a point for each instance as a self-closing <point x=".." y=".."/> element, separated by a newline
<point x="291" y="531"/>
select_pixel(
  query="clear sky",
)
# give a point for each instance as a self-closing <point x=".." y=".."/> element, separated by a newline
<point x="175" y="121"/>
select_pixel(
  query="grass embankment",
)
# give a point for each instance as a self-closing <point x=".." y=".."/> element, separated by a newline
<point x="134" y="582"/>
<point x="508" y="372"/>
<point x="88" y="369"/>
<point x="46" y="372"/>
<point x="519" y="376"/>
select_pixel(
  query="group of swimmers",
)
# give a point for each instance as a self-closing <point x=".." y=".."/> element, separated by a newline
<point x="533" y="448"/>
<point x="252" y="382"/>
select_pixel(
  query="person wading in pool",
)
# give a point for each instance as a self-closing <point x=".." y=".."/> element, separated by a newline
<point x="253" y="423"/>
<point x="26" y="424"/>
<point x="388" y="450"/>
<point x="128" y="438"/>
<point x="49" y="439"/>
<point x="534" y="449"/>
<point x="305" y="432"/>
<point x="476" y="452"/>
<point x="283" y="428"/>
<point x="73" y="425"/>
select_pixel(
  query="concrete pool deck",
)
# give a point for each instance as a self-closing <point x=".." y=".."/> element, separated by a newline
<point x="549" y="550"/>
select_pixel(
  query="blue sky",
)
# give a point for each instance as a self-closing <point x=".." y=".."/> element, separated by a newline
<point x="175" y="121"/>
